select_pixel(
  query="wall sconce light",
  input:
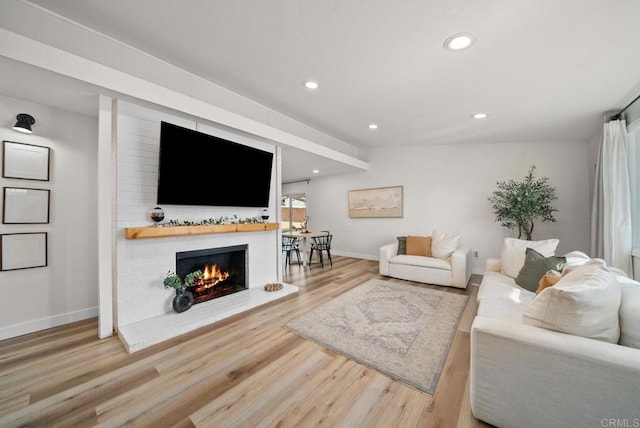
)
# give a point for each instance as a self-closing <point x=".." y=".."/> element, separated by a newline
<point x="24" y="123"/>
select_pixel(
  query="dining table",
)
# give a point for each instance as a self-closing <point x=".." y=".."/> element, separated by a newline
<point x="305" y="236"/>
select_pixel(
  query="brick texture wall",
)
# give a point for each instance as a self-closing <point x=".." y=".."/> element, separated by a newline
<point x="142" y="264"/>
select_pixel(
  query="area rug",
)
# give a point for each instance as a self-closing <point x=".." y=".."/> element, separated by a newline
<point x="403" y="331"/>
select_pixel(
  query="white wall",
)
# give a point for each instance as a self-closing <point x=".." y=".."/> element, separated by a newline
<point x="446" y="188"/>
<point x="65" y="290"/>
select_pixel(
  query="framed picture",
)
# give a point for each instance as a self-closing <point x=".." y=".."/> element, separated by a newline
<point x="23" y="250"/>
<point x="25" y="161"/>
<point x="378" y="202"/>
<point x="25" y="206"/>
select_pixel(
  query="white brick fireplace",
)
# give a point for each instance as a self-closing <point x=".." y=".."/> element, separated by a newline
<point x="142" y="306"/>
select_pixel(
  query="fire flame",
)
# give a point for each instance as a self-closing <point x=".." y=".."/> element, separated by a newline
<point x="212" y="275"/>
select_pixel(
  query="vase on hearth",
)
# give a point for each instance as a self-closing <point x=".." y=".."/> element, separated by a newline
<point x="182" y="301"/>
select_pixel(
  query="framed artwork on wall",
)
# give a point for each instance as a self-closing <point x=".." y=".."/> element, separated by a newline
<point x="378" y="202"/>
<point x="23" y="251"/>
<point x="25" y="206"/>
<point x="25" y="161"/>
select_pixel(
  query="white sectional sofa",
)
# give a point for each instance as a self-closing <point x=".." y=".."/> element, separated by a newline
<point x="525" y="376"/>
<point x="452" y="271"/>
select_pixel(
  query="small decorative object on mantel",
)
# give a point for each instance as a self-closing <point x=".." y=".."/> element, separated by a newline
<point x="273" y="286"/>
<point x="184" y="298"/>
<point x="264" y="214"/>
<point x="157" y="215"/>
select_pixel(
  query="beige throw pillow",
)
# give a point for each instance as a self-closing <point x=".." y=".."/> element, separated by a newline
<point x="585" y="302"/>
<point x="513" y="253"/>
<point x="419" y="246"/>
<point x="444" y="244"/>
<point x="550" y="279"/>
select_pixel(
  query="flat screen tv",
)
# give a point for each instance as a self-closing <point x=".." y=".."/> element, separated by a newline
<point x="200" y="169"/>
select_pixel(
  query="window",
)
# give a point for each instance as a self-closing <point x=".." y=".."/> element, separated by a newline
<point x="294" y="212"/>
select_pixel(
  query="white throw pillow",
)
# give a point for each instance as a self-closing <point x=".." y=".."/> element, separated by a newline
<point x="513" y="253"/>
<point x="629" y="313"/>
<point x="575" y="259"/>
<point x="585" y="302"/>
<point x="443" y="244"/>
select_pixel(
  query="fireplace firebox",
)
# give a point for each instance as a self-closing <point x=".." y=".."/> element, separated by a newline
<point x="224" y="271"/>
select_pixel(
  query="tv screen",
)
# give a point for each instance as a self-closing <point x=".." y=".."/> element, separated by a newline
<point x="200" y="169"/>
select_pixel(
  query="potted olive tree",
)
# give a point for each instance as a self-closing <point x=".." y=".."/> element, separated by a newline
<point x="184" y="298"/>
<point x="520" y="203"/>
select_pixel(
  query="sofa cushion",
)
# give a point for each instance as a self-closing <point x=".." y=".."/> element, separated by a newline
<point x="509" y="307"/>
<point x="402" y="245"/>
<point x="585" y="302"/>
<point x="629" y="313"/>
<point x="421" y="261"/>
<point x="534" y="268"/>
<point x="444" y="244"/>
<point x="418" y="246"/>
<point x="513" y="253"/>
<point x="497" y="285"/>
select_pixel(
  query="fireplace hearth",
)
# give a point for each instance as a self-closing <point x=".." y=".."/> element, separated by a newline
<point x="224" y="271"/>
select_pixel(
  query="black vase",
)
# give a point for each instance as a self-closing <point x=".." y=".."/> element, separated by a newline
<point x="182" y="301"/>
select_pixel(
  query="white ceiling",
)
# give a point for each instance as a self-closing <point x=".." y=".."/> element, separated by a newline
<point x="542" y="70"/>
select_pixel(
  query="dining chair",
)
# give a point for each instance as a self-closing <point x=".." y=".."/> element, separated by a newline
<point x="320" y="244"/>
<point x="290" y="244"/>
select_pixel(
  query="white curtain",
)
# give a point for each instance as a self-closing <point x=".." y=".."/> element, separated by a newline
<point x="634" y="177"/>
<point x="611" y="214"/>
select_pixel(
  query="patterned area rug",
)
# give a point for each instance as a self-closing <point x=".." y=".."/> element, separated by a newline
<point x="401" y="330"/>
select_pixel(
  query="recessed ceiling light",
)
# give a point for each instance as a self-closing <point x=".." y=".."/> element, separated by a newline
<point x="373" y="126"/>
<point x="480" y="116"/>
<point x="315" y="171"/>
<point x="310" y="84"/>
<point x="459" y="41"/>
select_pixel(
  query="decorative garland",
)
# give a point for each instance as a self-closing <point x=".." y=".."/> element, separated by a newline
<point x="219" y="220"/>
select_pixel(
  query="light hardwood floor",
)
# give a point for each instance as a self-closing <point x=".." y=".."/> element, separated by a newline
<point x="245" y="371"/>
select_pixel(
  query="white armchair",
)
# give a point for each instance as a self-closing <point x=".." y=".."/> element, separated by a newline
<point x="454" y="272"/>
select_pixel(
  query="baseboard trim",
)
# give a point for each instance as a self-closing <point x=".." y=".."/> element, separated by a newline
<point x="20" y="329"/>
<point x="355" y="255"/>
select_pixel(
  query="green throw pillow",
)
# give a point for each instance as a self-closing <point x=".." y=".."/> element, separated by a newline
<point x="534" y="268"/>
<point x="402" y="245"/>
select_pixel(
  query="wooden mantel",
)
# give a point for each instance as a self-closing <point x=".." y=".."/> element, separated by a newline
<point x="167" y="231"/>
